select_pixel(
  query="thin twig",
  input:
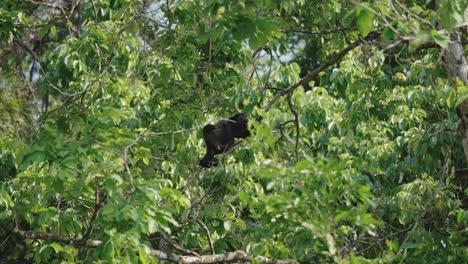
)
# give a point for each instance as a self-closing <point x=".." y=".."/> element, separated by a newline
<point x="173" y="132"/>
<point x="296" y="122"/>
<point x="127" y="168"/>
<point x="383" y="239"/>
<point x="377" y="13"/>
<point x="97" y="206"/>
<point x="311" y="75"/>
<point x="266" y="83"/>
<point x="207" y="232"/>
<point x="173" y="244"/>
<point x="6" y="239"/>
<point x="190" y="180"/>
<point x="236" y="145"/>
<point x="281" y="128"/>
<point x="413" y="15"/>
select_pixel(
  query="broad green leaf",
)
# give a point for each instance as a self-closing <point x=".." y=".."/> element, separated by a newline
<point x="227" y="225"/>
<point x="152" y="226"/>
<point x="462" y="94"/>
<point x="57" y="247"/>
<point x="440" y="39"/>
<point x="388" y="35"/>
<point x="451" y="99"/>
<point x="364" y="21"/>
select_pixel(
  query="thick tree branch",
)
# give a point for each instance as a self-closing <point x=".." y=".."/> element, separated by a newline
<point x="55" y="5"/>
<point x="312" y="74"/>
<point x="456" y="65"/>
<point x="51" y="237"/>
<point x="236" y="256"/>
<point x="318" y="32"/>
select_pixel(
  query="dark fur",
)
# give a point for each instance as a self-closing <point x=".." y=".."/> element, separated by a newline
<point x="219" y="137"/>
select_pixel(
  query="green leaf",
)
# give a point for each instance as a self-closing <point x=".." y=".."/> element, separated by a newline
<point x="452" y="99"/>
<point x="449" y="14"/>
<point x="440" y="39"/>
<point x="388" y="35"/>
<point x="408" y="245"/>
<point x="35" y="156"/>
<point x="57" y="247"/>
<point x="462" y="93"/>
<point x="349" y="138"/>
<point x="142" y="253"/>
<point x="53" y="30"/>
<point x="227" y="225"/>
<point x="152" y="226"/>
<point x="365" y="20"/>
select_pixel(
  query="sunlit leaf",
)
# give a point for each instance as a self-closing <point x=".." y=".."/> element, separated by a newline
<point x="365" y="20"/>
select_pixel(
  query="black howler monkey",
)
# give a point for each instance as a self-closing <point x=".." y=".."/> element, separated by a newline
<point x="219" y="137"/>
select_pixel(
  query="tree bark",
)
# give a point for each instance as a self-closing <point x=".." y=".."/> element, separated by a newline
<point x="457" y="68"/>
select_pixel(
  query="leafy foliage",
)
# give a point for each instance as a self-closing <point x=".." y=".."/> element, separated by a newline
<point x="103" y="103"/>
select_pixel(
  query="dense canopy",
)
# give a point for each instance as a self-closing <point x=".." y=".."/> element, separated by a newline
<point x="361" y="155"/>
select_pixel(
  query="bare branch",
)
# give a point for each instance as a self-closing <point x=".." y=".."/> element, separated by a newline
<point x="318" y="32"/>
<point x="208" y="236"/>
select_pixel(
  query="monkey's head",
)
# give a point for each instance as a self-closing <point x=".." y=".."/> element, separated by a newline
<point x="239" y="126"/>
<point x="240" y="119"/>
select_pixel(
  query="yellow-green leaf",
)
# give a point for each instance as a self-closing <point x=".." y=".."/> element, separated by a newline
<point x="365" y="20"/>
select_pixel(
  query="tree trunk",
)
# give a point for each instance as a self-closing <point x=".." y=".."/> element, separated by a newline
<point x="457" y="67"/>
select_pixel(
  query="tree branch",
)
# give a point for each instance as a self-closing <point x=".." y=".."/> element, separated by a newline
<point x="98" y="202"/>
<point x="296" y="122"/>
<point x="318" y="32"/>
<point x="173" y="244"/>
<point x="236" y="256"/>
<point x="236" y="145"/>
<point x="312" y="74"/>
<point x="208" y="236"/>
<point x="52" y="237"/>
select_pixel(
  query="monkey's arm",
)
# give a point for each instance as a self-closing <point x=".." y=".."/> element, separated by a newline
<point x="209" y="159"/>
